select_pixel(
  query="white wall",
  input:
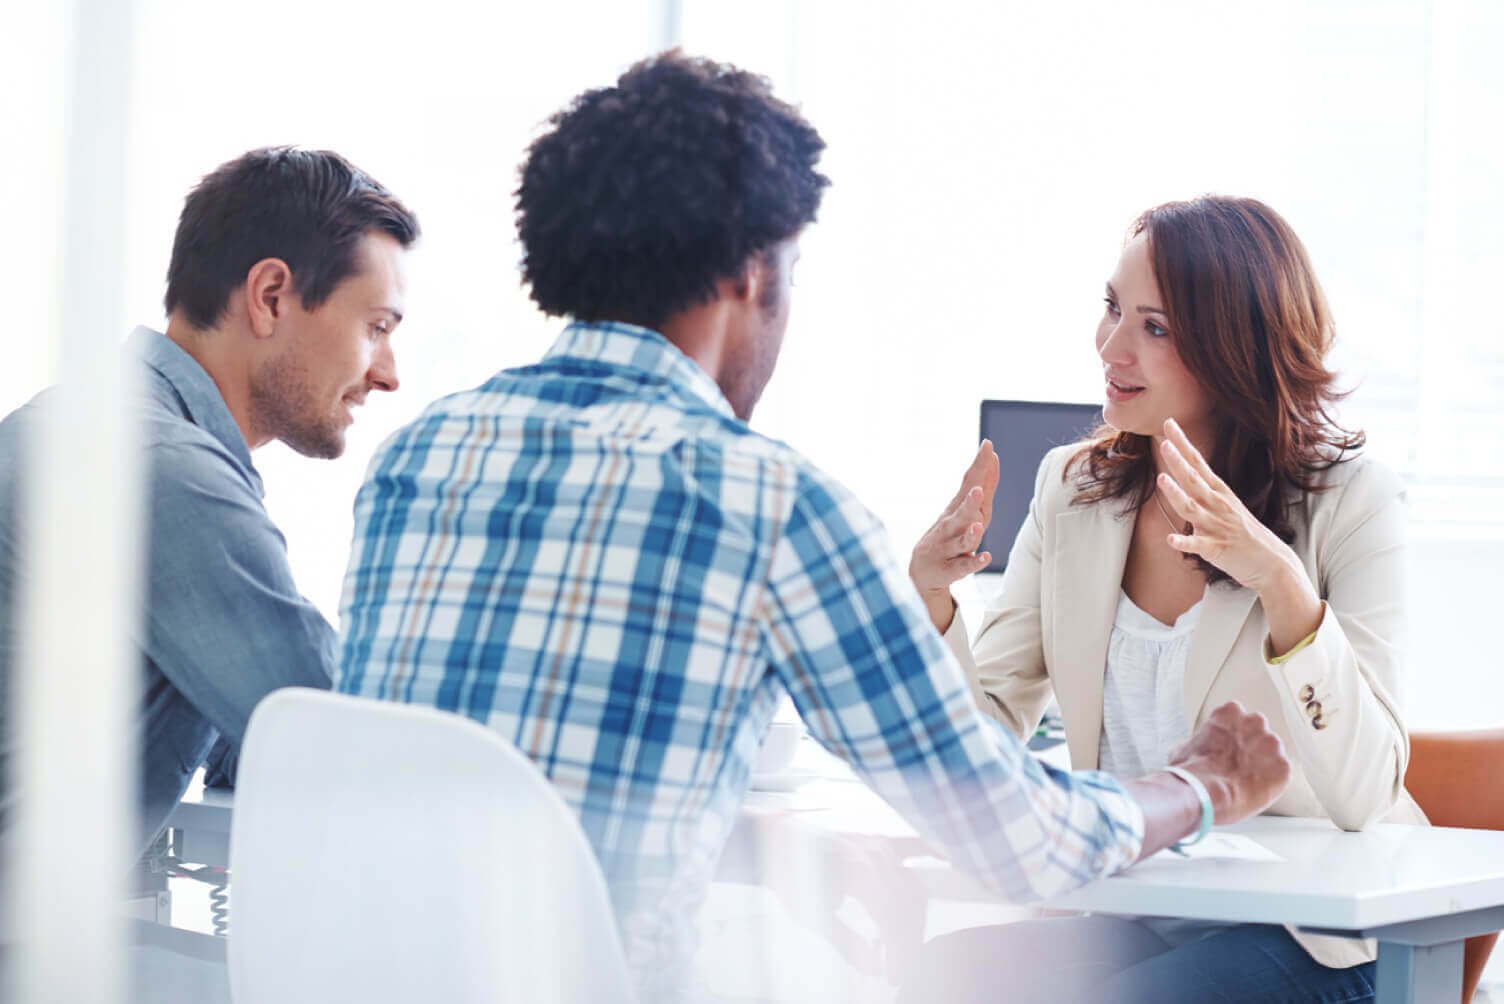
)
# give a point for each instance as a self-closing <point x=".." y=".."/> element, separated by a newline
<point x="986" y="161"/>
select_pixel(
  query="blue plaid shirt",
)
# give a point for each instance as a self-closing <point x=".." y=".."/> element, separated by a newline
<point x="597" y="559"/>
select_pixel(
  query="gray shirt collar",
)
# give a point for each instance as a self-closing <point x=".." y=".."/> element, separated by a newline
<point x="176" y="379"/>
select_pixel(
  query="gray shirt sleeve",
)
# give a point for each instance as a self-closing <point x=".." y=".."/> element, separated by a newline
<point x="224" y="622"/>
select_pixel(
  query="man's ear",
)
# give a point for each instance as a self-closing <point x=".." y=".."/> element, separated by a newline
<point x="749" y="281"/>
<point x="268" y="287"/>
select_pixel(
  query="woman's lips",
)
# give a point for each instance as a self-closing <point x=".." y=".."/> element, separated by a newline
<point x="1122" y="392"/>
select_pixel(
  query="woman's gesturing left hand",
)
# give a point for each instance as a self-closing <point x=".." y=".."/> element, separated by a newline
<point x="947" y="551"/>
<point x="1226" y="534"/>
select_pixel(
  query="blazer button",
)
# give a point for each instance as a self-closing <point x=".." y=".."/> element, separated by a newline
<point x="1307" y="692"/>
<point x="1317" y="721"/>
<point x="1313" y="708"/>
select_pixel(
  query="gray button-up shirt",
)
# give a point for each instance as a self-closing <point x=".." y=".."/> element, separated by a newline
<point x="223" y="622"/>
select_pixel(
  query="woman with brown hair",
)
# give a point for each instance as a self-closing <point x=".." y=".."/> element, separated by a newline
<point x="1220" y="538"/>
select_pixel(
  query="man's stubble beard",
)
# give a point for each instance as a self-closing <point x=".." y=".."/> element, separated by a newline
<point x="752" y="370"/>
<point x="285" y="407"/>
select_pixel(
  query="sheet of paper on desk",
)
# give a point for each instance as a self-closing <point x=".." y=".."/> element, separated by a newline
<point x="1227" y="846"/>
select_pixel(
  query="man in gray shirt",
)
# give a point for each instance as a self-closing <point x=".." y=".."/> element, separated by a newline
<point x="286" y="283"/>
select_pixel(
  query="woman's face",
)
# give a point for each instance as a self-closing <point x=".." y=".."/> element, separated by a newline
<point x="1146" y="382"/>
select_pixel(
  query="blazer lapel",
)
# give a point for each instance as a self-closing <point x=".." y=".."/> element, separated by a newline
<point x="1091" y="544"/>
<point x="1224" y="611"/>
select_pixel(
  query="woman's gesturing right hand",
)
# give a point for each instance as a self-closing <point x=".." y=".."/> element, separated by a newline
<point x="947" y="551"/>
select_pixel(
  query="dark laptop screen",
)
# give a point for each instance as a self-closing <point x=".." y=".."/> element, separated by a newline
<point x="1023" y="432"/>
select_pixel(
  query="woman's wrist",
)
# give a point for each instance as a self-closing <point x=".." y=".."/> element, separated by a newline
<point x="1291" y="607"/>
<point x="941" y="607"/>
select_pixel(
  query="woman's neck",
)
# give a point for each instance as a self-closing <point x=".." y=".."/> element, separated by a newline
<point x="1202" y="439"/>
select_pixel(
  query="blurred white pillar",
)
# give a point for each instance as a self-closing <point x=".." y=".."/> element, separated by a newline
<point x="673" y="23"/>
<point x="1442" y="301"/>
<point x="77" y="676"/>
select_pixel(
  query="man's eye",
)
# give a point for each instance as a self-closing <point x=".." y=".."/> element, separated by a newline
<point x="1112" y="305"/>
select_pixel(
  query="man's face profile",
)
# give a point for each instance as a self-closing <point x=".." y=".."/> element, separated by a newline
<point x="335" y="354"/>
<point x="754" y="355"/>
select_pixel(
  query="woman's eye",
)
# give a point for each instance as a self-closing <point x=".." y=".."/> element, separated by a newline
<point x="1155" y="329"/>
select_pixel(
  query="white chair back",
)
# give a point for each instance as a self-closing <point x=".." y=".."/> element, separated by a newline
<point x="384" y="852"/>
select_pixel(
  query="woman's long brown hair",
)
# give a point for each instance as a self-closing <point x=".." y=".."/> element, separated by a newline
<point x="1250" y="323"/>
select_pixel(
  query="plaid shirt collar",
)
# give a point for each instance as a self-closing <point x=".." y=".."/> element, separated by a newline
<point x="628" y="346"/>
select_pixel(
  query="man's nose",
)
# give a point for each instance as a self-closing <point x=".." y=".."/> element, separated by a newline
<point x="383" y="372"/>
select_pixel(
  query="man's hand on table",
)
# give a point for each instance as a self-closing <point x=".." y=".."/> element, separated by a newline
<point x="1239" y="760"/>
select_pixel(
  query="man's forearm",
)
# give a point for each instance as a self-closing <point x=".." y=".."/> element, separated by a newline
<point x="1171" y="810"/>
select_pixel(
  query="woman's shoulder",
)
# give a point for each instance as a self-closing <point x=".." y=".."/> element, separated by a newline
<point x="1355" y="477"/>
<point x="1347" y="495"/>
<point x="1059" y="457"/>
<point x="1062" y="475"/>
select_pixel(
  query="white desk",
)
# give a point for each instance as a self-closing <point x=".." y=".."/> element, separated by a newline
<point x="1419" y="890"/>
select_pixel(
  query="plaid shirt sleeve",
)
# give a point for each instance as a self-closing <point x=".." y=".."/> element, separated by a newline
<point x="877" y="686"/>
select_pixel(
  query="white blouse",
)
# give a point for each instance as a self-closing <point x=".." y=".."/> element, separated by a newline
<point x="1143" y="715"/>
<point x="1143" y="693"/>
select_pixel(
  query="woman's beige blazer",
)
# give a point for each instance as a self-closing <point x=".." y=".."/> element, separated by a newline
<point x="1048" y="629"/>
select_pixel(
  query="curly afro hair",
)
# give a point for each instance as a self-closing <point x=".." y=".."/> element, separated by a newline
<point x="644" y="194"/>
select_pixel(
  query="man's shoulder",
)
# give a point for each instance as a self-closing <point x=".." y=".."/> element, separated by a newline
<point x="185" y="466"/>
<point x="176" y="443"/>
<point x="535" y="398"/>
<point x="742" y="440"/>
<point x="443" y="424"/>
<point x="172" y="444"/>
<point x="743" y="447"/>
<point x="813" y="491"/>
